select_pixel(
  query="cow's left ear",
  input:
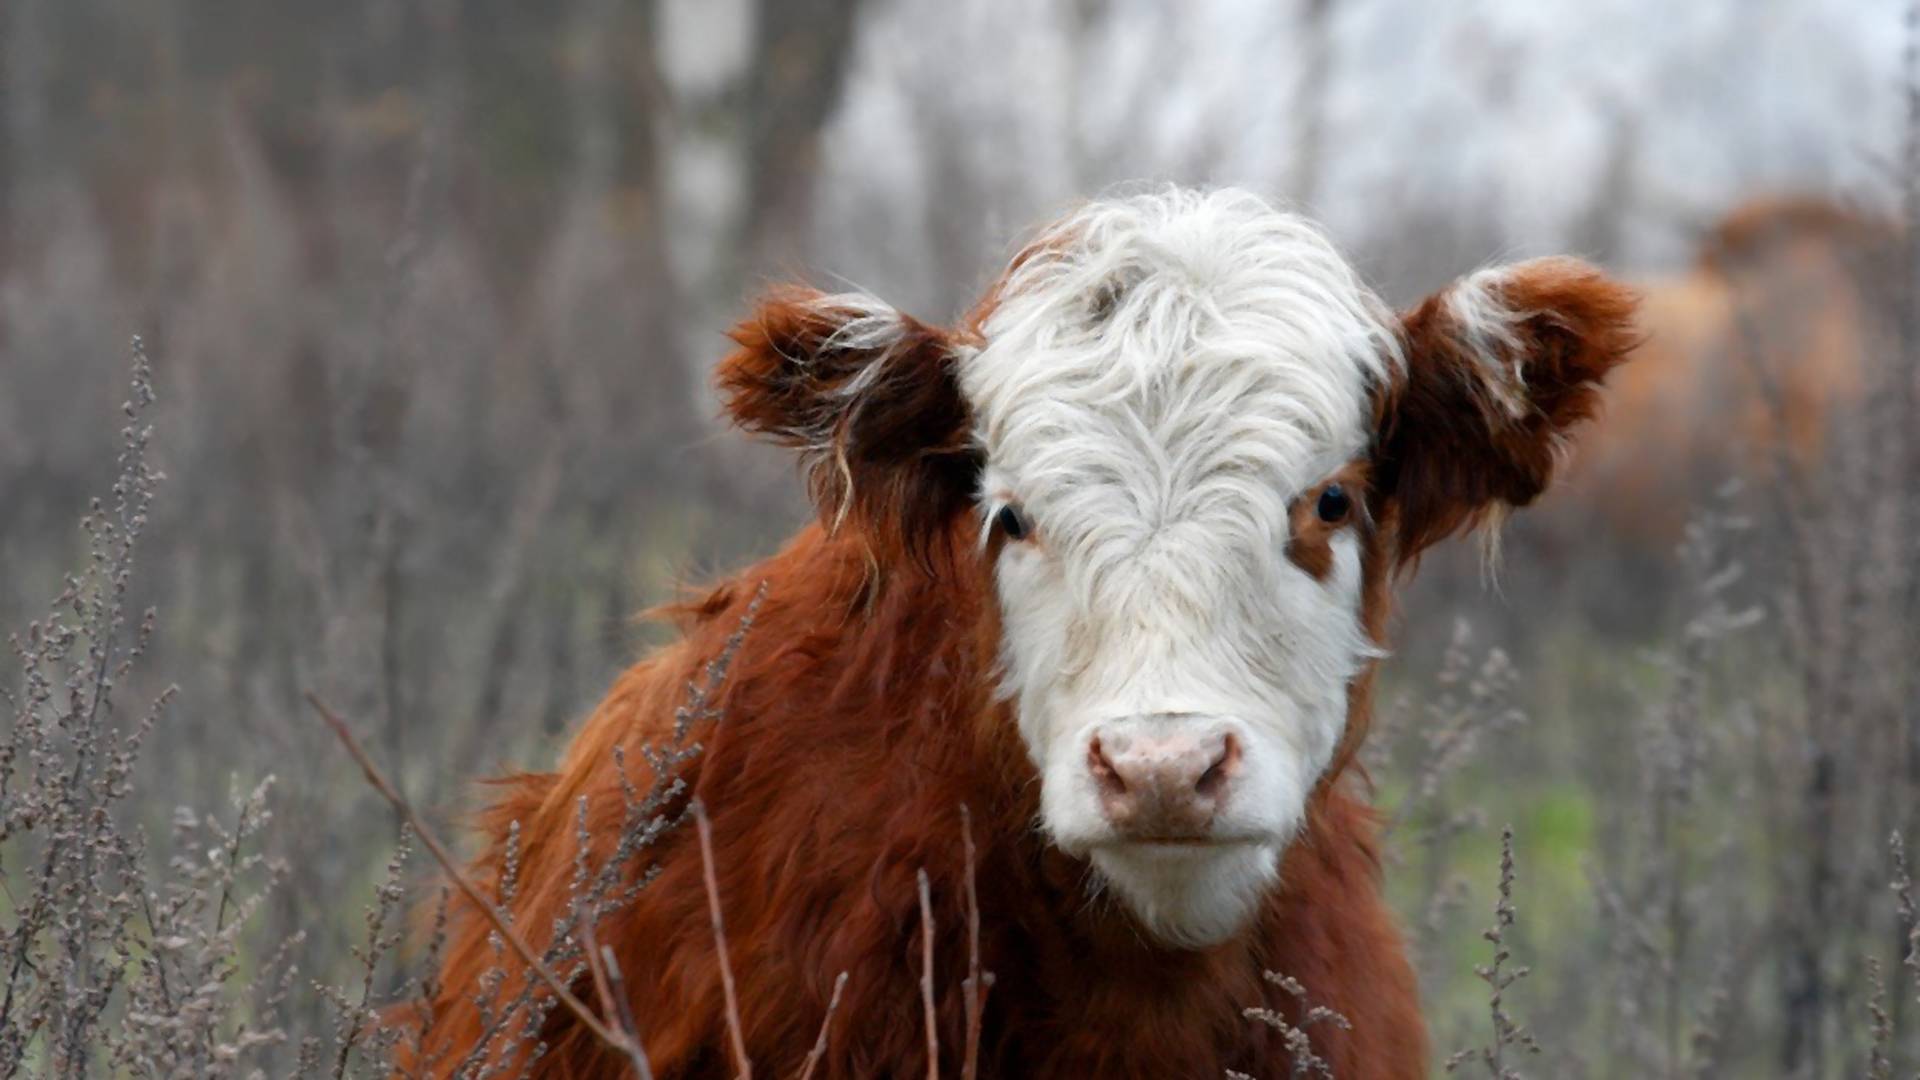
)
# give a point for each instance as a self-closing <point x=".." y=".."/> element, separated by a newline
<point x="1500" y="367"/>
<point x="871" y="400"/>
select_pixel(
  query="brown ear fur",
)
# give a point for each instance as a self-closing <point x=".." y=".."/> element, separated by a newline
<point x="1500" y="367"/>
<point x="871" y="400"/>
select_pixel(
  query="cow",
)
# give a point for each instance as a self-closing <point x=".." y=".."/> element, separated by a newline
<point x="1746" y="357"/>
<point x="1109" y="565"/>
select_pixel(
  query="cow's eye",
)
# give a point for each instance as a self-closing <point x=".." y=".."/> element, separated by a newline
<point x="1013" y="522"/>
<point x="1335" y="504"/>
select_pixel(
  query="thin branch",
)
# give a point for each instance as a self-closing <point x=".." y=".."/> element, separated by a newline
<point x="977" y="984"/>
<point x="820" y="1044"/>
<point x="720" y="942"/>
<point x="600" y="988"/>
<point x="618" y="984"/>
<point x="613" y="997"/>
<point x="926" y="977"/>
<point x="474" y="896"/>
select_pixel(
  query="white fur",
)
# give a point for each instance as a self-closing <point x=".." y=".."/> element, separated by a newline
<point x="1156" y="449"/>
<point x="1485" y="323"/>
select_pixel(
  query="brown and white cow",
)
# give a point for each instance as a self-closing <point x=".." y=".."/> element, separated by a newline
<point x="1747" y="359"/>
<point x="1109" y="564"/>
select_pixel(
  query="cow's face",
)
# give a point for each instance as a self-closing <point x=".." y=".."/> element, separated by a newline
<point x="1196" y="443"/>
<point x="1176" y="400"/>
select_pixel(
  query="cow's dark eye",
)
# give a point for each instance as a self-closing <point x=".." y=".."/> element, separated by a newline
<point x="1013" y="522"/>
<point x="1335" y="504"/>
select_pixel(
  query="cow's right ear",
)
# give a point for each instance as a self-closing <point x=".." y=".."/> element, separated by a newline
<point x="871" y="400"/>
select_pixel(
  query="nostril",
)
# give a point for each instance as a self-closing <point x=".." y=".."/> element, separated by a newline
<point x="1105" y="776"/>
<point x="1225" y="763"/>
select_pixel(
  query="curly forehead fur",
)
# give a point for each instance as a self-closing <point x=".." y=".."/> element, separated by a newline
<point x="1203" y="321"/>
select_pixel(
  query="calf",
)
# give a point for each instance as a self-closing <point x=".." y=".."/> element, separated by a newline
<point x="1108" y="564"/>
<point x="1750" y="359"/>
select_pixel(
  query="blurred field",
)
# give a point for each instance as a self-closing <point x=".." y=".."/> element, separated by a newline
<point x="431" y="289"/>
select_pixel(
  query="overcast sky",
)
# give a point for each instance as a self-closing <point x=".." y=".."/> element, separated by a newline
<point x="1510" y="110"/>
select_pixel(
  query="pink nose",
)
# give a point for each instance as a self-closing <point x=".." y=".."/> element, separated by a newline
<point x="1162" y="778"/>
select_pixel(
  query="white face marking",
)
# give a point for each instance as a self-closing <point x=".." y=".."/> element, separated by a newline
<point x="1158" y="382"/>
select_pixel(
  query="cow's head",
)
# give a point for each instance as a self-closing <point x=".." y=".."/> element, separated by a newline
<point x="1197" y="447"/>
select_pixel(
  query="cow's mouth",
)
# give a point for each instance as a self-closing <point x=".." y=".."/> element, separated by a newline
<point x="1151" y="842"/>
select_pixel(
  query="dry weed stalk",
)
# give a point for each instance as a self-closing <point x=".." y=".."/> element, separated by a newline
<point x="358" y="1024"/>
<point x="977" y="982"/>
<point x="1471" y="705"/>
<point x="1507" y="1032"/>
<point x="1879" y="1063"/>
<point x="448" y="865"/>
<point x="926" y="977"/>
<point x="820" y="1044"/>
<point x="611" y="991"/>
<point x="1661" y="929"/>
<point x="734" y="1034"/>
<point x="1306" y="1064"/>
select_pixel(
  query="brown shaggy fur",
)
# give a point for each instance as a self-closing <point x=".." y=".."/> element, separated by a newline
<point x="859" y="716"/>
<point x="1450" y="452"/>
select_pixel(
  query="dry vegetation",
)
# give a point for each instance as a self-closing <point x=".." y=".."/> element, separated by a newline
<point x="426" y="344"/>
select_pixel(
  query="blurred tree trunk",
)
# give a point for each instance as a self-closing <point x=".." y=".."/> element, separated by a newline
<point x="768" y="119"/>
<point x="1596" y="233"/>
<point x="613" y="263"/>
<point x="1305" y="163"/>
<point x="23" y="112"/>
<point x="801" y="52"/>
<point x="1806" y="1004"/>
<point x="10" y="93"/>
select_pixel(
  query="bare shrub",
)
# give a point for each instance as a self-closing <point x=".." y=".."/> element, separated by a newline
<point x="110" y="964"/>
